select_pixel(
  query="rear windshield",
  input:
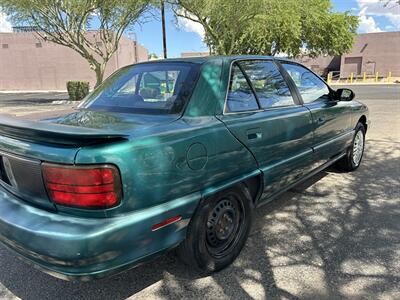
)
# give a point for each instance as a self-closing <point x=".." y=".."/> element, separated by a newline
<point x="154" y="88"/>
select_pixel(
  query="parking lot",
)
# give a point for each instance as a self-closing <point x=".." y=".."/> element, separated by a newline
<point x="335" y="236"/>
<point x="30" y="104"/>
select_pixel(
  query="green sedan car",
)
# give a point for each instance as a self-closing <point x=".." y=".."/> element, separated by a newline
<point x="169" y="154"/>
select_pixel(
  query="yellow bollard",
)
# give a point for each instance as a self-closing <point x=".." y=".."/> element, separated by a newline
<point x="364" y="77"/>
<point x="389" y="79"/>
<point x="329" y="77"/>
<point x="351" y="77"/>
<point x="376" y="77"/>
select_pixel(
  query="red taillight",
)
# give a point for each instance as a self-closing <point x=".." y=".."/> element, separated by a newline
<point x="83" y="186"/>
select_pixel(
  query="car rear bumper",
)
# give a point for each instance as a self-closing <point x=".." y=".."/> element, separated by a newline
<point x="75" y="248"/>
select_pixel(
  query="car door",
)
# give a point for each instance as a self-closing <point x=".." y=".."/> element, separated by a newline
<point x="262" y="113"/>
<point x="333" y="130"/>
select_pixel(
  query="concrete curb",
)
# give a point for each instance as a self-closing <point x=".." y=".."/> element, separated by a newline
<point x="33" y="92"/>
<point x="366" y="83"/>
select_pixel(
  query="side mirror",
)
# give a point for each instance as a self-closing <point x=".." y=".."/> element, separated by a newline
<point x="344" y="95"/>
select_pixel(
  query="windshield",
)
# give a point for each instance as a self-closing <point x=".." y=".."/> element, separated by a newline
<point x="154" y="88"/>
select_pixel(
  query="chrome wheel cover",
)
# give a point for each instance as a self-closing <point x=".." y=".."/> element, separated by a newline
<point x="358" y="147"/>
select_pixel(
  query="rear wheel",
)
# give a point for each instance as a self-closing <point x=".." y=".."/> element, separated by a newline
<point x="355" y="153"/>
<point x="218" y="230"/>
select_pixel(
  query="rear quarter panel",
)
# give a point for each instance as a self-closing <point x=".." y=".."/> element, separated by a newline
<point x="163" y="164"/>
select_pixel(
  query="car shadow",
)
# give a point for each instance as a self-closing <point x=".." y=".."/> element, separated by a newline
<point x="334" y="236"/>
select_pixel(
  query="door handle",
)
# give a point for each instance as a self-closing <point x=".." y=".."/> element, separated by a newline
<point x="321" y="120"/>
<point x="254" y="134"/>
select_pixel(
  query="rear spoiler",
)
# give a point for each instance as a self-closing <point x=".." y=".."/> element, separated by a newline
<point x="51" y="133"/>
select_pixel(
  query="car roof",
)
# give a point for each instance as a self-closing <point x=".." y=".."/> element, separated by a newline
<point x="203" y="59"/>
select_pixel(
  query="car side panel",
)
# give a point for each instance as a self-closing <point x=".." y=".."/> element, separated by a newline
<point x="280" y="140"/>
<point x="184" y="157"/>
<point x="359" y="110"/>
<point x="332" y="121"/>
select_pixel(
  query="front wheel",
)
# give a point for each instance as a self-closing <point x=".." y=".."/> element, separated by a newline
<point x="218" y="230"/>
<point x="355" y="153"/>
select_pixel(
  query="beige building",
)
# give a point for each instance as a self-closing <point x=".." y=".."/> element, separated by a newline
<point x="321" y="65"/>
<point x="371" y="53"/>
<point x="30" y="63"/>
<point x="194" y="54"/>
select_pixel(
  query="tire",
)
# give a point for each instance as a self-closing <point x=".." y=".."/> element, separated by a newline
<point x="355" y="153"/>
<point x="218" y="230"/>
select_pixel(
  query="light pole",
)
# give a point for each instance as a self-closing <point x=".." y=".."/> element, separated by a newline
<point x="164" y="37"/>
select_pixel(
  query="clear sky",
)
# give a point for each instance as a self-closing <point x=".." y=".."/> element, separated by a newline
<point x="184" y="36"/>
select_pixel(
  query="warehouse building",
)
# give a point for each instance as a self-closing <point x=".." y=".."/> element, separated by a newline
<point x="372" y="53"/>
<point x="322" y="65"/>
<point x="29" y="63"/>
<point x="194" y="54"/>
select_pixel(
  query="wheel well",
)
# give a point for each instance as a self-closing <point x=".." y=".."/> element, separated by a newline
<point x="254" y="184"/>
<point x="363" y="120"/>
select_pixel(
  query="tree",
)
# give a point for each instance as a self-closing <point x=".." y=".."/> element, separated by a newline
<point x="68" y="22"/>
<point x="390" y="3"/>
<point x="152" y="56"/>
<point x="270" y="27"/>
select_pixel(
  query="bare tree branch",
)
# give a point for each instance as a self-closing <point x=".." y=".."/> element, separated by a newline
<point x="67" y="23"/>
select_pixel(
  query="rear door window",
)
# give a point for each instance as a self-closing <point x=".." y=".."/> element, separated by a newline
<point x="240" y="95"/>
<point x="268" y="83"/>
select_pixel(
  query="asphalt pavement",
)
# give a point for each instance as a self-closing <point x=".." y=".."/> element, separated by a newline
<point x="337" y="236"/>
<point x="22" y="98"/>
<point x="42" y="104"/>
<point x="373" y="92"/>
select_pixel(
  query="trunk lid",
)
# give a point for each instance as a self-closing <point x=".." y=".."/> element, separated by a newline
<point x="54" y="133"/>
<point x="25" y="144"/>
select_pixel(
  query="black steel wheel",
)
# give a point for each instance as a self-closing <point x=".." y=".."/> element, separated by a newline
<point x="223" y="226"/>
<point x="218" y="230"/>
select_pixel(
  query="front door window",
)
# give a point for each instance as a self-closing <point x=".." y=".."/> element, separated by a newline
<point x="311" y="87"/>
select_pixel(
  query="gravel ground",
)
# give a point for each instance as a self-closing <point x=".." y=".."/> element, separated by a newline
<point x="336" y="236"/>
